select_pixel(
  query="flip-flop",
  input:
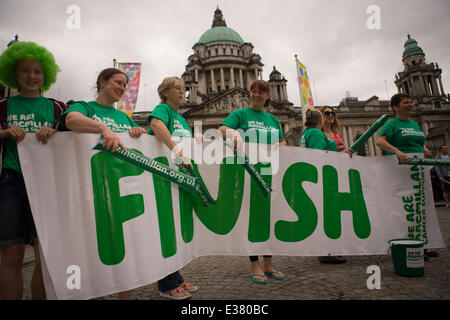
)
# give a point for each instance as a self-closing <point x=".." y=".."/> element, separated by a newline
<point x="252" y="276"/>
<point x="183" y="286"/>
<point x="169" y="296"/>
<point x="271" y="274"/>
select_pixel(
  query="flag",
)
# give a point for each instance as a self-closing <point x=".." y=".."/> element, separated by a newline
<point x="306" y="96"/>
<point x="127" y="103"/>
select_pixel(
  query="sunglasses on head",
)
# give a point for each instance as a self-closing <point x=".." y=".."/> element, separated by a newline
<point x="329" y="113"/>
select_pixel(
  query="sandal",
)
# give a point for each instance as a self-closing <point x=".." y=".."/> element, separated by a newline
<point x="252" y="276"/>
<point x="172" y="294"/>
<point x="274" y="274"/>
<point x="188" y="287"/>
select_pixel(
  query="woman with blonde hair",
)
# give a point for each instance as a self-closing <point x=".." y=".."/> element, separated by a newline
<point x="331" y="127"/>
<point x="166" y="123"/>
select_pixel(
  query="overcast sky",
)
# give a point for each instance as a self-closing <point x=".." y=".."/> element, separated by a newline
<point x="331" y="37"/>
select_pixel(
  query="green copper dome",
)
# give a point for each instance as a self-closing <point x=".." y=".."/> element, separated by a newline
<point x="221" y="35"/>
<point x="219" y="32"/>
<point x="411" y="48"/>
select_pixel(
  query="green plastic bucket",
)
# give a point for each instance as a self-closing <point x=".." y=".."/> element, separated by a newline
<point x="407" y="255"/>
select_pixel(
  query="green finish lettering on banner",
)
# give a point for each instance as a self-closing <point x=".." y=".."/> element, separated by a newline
<point x="334" y="202"/>
<point x="163" y="195"/>
<point x="298" y="200"/>
<point x="259" y="220"/>
<point x="112" y="210"/>
<point x="220" y="217"/>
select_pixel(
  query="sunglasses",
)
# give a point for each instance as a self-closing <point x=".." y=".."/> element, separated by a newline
<point x="329" y="113"/>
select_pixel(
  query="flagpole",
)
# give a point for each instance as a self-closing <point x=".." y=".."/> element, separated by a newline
<point x="300" y="91"/>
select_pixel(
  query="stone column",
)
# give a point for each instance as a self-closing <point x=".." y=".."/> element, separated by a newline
<point x="213" y="82"/>
<point x="222" y="80"/>
<point x="232" y="77"/>
<point x="256" y="74"/>
<point x="344" y="136"/>
<point x="371" y="145"/>
<point x="285" y="93"/>
<point x="434" y="85"/>
<point x="241" y="79"/>
<point x="441" y="87"/>
<point x="274" y="93"/>
<point x="427" y="87"/>
<point x="350" y="137"/>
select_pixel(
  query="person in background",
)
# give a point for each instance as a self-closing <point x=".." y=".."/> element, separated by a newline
<point x="314" y="137"/>
<point x="443" y="173"/>
<point x="101" y="117"/>
<point x="331" y="127"/>
<point x="266" y="129"/>
<point x="402" y="136"/>
<point x="31" y="69"/>
<point x="165" y="124"/>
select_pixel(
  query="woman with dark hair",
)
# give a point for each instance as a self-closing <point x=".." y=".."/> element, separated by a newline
<point x="31" y="69"/>
<point x="100" y="116"/>
<point x="256" y="126"/>
<point x="402" y="136"/>
<point x="313" y="137"/>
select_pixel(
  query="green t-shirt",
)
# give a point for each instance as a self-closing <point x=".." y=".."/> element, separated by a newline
<point x="177" y="125"/>
<point x="405" y="135"/>
<point x="30" y="114"/>
<point x="314" y="138"/>
<point x="256" y="126"/>
<point x="116" y="120"/>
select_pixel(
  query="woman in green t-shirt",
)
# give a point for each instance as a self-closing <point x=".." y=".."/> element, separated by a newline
<point x="165" y="123"/>
<point x="257" y="126"/>
<point x="31" y="69"/>
<point x="100" y="116"/>
<point x="314" y="138"/>
<point x="401" y="136"/>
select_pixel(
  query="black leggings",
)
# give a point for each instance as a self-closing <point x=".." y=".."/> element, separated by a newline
<point x="255" y="258"/>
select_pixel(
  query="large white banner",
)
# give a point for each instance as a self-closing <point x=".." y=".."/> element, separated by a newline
<point x="106" y="226"/>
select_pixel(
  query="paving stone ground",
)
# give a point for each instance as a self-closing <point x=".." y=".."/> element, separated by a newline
<point x="227" y="278"/>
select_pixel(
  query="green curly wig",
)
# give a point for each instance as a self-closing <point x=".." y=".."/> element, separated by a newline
<point x="30" y="51"/>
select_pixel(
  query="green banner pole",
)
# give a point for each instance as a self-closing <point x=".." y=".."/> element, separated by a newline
<point x="132" y="157"/>
<point x="428" y="162"/>
<point x="201" y="189"/>
<point x="377" y="125"/>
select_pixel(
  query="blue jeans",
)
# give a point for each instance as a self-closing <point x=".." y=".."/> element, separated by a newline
<point x="172" y="281"/>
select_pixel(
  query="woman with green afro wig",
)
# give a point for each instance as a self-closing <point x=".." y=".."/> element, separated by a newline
<point x="28" y="51"/>
<point x="30" y="69"/>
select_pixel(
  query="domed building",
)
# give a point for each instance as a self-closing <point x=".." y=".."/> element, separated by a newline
<point x="218" y="78"/>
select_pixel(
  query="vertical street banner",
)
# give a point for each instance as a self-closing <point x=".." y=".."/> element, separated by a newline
<point x="306" y="97"/>
<point x="128" y="102"/>
<point x="109" y="224"/>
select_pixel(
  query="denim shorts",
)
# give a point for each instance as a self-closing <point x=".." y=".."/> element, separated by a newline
<point x="16" y="221"/>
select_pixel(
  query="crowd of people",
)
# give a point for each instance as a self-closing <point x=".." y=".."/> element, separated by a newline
<point x="31" y="70"/>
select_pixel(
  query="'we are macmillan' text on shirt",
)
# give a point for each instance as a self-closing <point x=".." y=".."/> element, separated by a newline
<point x="29" y="114"/>
<point x="176" y="124"/>
<point x="116" y="120"/>
<point x="258" y="126"/>
<point x="405" y="135"/>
